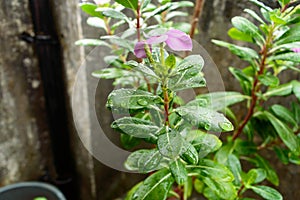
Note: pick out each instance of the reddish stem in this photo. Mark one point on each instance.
(138, 22)
(255, 89)
(196, 16)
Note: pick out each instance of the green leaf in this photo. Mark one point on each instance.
(144, 160)
(96, 22)
(181, 4)
(182, 26)
(132, 4)
(179, 172)
(198, 185)
(124, 99)
(284, 2)
(109, 12)
(269, 80)
(188, 188)
(282, 154)
(285, 115)
(260, 4)
(254, 15)
(213, 170)
(217, 100)
(285, 133)
(296, 89)
(242, 147)
(90, 8)
(135, 127)
(223, 153)
(205, 118)
(247, 27)
(170, 15)
(217, 177)
(91, 42)
(132, 191)
(270, 172)
(245, 81)
(296, 111)
(170, 61)
(281, 90)
(110, 73)
(254, 176)
(204, 143)
(190, 155)
(145, 4)
(294, 57)
(266, 192)
(244, 53)
(233, 163)
(157, 11)
(187, 74)
(238, 35)
(155, 186)
(292, 35)
(171, 144)
(129, 141)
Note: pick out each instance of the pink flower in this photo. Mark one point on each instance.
(175, 39)
(101, 2)
(296, 50)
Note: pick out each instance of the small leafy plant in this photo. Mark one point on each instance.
(185, 153)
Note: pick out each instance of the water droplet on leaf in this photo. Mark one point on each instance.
(226, 126)
(142, 102)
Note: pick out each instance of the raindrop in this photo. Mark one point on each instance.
(226, 126)
(207, 126)
(142, 102)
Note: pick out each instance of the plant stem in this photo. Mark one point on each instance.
(256, 85)
(166, 105)
(196, 16)
(138, 21)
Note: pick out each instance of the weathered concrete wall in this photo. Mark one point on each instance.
(68, 23)
(23, 128)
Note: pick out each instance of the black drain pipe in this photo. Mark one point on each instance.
(49, 54)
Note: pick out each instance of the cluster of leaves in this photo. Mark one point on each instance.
(275, 41)
(185, 155)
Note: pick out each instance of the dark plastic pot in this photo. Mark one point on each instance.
(29, 191)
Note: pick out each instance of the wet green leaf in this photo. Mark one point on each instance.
(179, 172)
(123, 99)
(205, 118)
(266, 192)
(135, 127)
(187, 74)
(110, 73)
(91, 42)
(217, 100)
(233, 163)
(285, 133)
(247, 27)
(144, 160)
(155, 186)
(269, 80)
(171, 144)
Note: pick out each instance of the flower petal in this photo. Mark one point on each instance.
(139, 50)
(179, 41)
(296, 50)
(157, 39)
